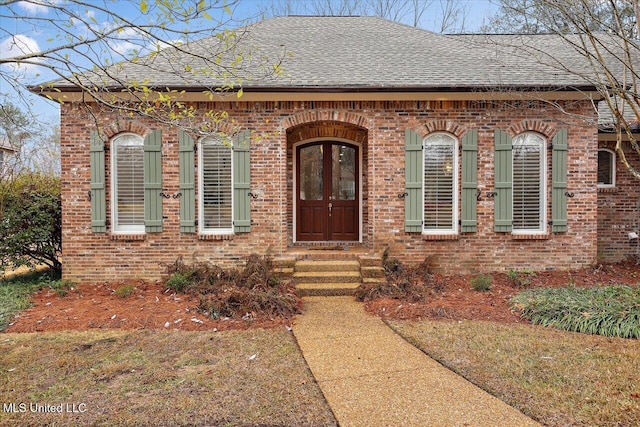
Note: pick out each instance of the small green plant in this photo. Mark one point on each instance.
(520, 278)
(178, 282)
(124, 291)
(482, 283)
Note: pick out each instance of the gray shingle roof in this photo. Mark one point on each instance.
(366, 53)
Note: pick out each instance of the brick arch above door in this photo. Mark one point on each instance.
(326, 123)
(326, 129)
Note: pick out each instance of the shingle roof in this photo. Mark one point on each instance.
(366, 53)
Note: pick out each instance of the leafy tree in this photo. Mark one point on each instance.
(95, 40)
(605, 35)
(30, 221)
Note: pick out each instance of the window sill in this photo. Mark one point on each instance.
(530, 236)
(440, 236)
(215, 236)
(607, 189)
(128, 237)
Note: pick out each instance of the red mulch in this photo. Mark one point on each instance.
(96, 306)
(149, 306)
(453, 297)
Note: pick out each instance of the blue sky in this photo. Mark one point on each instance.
(29, 31)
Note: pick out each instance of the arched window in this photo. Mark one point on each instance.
(440, 195)
(529, 183)
(215, 187)
(606, 168)
(127, 183)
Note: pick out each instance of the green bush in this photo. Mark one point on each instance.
(30, 221)
(612, 311)
(482, 283)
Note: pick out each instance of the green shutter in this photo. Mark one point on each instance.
(98, 199)
(469, 182)
(413, 209)
(559, 178)
(241, 182)
(503, 182)
(153, 182)
(186, 160)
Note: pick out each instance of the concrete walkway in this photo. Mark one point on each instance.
(372, 377)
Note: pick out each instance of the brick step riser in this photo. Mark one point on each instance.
(331, 289)
(372, 272)
(326, 268)
(328, 279)
(370, 261)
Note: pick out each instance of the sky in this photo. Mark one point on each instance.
(26, 26)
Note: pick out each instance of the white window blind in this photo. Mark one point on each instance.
(440, 178)
(128, 178)
(216, 187)
(528, 182)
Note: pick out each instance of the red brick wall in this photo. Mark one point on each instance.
(95, 256)
(619, 211)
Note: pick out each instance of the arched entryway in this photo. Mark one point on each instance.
(327, 193)
(327, 182)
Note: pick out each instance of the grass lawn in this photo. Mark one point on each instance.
(15, 294)
(559, 378)
(162, 378)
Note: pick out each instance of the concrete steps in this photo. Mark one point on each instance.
(327, 277)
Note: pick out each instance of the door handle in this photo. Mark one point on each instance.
(330, 207)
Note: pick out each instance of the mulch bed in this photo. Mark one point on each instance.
(453, 297)
(150, 306)
(97, 306)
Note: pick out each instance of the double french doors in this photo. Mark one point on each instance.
(327, 192)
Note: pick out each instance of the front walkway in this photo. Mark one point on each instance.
(372, 377)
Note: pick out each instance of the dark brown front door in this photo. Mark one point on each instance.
(327, 192)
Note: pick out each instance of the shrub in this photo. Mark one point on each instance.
(612, 311)
(30, 221)
(402, 282)
(234, 293)
(482, 283)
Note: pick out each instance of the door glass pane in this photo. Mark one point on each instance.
(311, 173)
(343, 172)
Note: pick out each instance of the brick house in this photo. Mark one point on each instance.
(378, 135)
